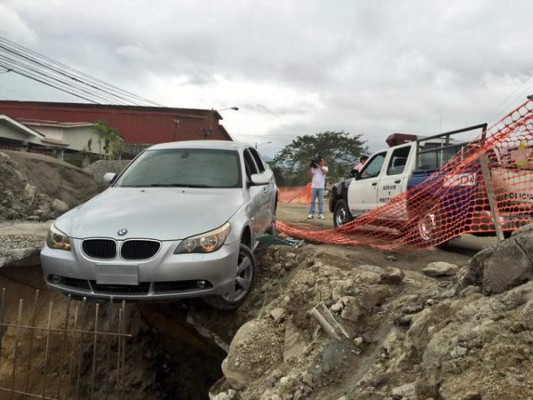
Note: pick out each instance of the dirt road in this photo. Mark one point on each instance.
(458, 250)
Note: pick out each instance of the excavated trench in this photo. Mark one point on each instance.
(166, 355)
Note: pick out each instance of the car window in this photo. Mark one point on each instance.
(373, 167)
(257, 159)
(249, 164)
(209, 168)
(398, 160)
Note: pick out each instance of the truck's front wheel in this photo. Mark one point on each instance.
(341, 213)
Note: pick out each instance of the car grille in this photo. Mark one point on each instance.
(100, 248)
(139, 249)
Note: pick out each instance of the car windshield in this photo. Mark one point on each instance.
(205, 168)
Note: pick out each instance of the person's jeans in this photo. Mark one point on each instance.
(317, 193)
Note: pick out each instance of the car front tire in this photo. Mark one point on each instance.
(244, 280)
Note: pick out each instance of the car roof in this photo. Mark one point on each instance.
(200, 144)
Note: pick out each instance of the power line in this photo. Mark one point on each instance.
(47, 71)
(514, 97)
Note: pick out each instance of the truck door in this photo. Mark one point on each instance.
(394, 179)
(363, 192)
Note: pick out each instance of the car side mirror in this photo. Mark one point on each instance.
(110, 177)
(259, 179)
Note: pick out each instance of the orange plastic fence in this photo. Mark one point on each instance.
(295, 194)
(453, 200)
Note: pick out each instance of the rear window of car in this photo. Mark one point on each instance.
(206, 168)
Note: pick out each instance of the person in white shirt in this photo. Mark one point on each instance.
(317, 172)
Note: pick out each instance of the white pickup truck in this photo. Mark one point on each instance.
(409, 163)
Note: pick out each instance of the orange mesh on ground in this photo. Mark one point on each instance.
(453, 200)
(295, 194)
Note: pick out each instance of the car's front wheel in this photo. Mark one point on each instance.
(244, 280)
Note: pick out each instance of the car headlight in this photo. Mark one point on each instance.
(206, 242)
(57, 239)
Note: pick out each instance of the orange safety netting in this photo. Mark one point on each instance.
(453, 200)
(295, 194)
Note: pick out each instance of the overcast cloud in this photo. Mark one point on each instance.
(292, 67)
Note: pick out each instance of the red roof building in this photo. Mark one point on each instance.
(136, 124)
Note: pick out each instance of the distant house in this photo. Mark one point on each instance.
(71, 141)
(135, 124)
(17, 136)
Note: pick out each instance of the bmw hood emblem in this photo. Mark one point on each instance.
(122, 232)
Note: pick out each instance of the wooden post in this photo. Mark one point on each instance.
(489, 187)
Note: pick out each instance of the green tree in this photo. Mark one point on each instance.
(108, 138)
(341, 150)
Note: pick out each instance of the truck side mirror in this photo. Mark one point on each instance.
(355, 174)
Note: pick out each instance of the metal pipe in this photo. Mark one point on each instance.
(440, 135)
(324, 324)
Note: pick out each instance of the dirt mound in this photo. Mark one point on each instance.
(38, 187)
(392, 334)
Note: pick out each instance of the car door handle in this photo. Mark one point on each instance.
(374, 184)
(398, 181)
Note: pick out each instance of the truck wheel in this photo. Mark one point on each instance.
(427, 227)
(430, 229)
(341, 214)
(244, 280)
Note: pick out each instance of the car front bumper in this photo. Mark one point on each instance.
(166, 276)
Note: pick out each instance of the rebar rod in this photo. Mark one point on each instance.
(108, 349)
(95, 341)
(123, 329)
(64, 345)
(37, 396)
(61, 330)
(80, 348)
(119, 349)
(2, 306)
(71, 358)
(32, 336)
(46, 348)
(15, 348)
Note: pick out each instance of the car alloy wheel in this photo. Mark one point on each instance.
(244, 277)
(244, 280)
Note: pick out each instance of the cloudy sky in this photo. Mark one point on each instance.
(292, 67)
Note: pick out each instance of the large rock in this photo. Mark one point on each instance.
(257, 346)
(440, 268)
(503, 266)
(60, 206)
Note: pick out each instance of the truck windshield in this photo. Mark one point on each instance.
(206, 168)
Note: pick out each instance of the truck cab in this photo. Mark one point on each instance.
(413, 164)
(384, 176)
